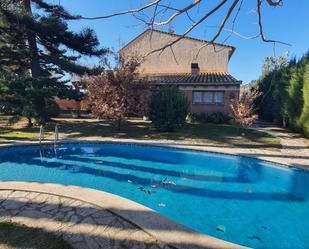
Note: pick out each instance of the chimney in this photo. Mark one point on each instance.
(195, 70)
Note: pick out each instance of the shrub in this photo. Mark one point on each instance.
(217, 118)
(168, 108)
(243, 109)
(192, 117)
(202, 117)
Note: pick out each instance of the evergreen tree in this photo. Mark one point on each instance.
(304, 118)
(285, 94)
(37, 50)
(168, 108)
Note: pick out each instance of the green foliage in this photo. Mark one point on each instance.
(304, 117)
(217, 118)
(52, 109)
(192, 117)
(37, 50)
(168, 108)
(295, 99)
(285, 95)
(29, 97)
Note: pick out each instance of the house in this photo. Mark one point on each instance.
(198, 68)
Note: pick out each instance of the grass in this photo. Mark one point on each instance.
(139, 129)
(13, 235)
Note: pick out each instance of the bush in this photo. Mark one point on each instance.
(217, 118)
(192, 117)
(168, 108)
(203, 117)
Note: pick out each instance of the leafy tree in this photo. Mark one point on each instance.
(243, 109)
(36, 47)
(168, 108)
(304, 118)
(273, 87)
(118, 94)
(284, 95)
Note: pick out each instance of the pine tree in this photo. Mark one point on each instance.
(36, 54)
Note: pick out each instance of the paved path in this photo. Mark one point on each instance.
(295, 149)
(82, 224)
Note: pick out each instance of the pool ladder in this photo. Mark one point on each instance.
(56, 134)
(41, 136)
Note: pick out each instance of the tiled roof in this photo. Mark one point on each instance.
(201, 79)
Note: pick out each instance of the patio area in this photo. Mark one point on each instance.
(92, 219)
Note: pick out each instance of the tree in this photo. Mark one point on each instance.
(284, 95)
(168, 108)
(118, 94)
(163, 13)
(44, 45)
(304, 118)
(273, 87)
(243, 110)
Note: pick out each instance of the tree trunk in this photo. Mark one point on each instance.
(30, 124)
(40, 107)
(31, 39)
(118, 124)
(35, 67)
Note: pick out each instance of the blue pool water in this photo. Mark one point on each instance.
(238, 199)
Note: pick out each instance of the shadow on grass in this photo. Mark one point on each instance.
(139, 129)
(14, 235)
(197, 133)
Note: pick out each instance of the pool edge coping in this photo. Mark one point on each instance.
(155, 144)
(170, 232)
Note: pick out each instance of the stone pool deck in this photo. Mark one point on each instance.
(91, 219)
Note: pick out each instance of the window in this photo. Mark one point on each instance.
(197, 97)
(208, 97)
(218, 97)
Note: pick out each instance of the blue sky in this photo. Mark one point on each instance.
(289, 23)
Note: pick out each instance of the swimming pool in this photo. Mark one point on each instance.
(237, 199)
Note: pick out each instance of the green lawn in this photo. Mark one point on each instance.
(139, 129)
(15, 236)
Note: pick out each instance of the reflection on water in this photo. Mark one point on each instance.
(257, 203)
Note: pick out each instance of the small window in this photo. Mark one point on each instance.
(208, 96)
(218, 97)
(197, 97)
(194, 65)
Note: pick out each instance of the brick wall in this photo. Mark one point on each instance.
(204, 108)
(70, 104)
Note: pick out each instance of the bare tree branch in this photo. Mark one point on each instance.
(275, 3)
(188, 30)
(131, 11)
(222, 26)
(259, 3)
(177, 13)
(154, 13)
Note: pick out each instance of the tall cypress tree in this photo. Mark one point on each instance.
(37, 51)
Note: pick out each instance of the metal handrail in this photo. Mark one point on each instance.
(56, 134)
(41, 136)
